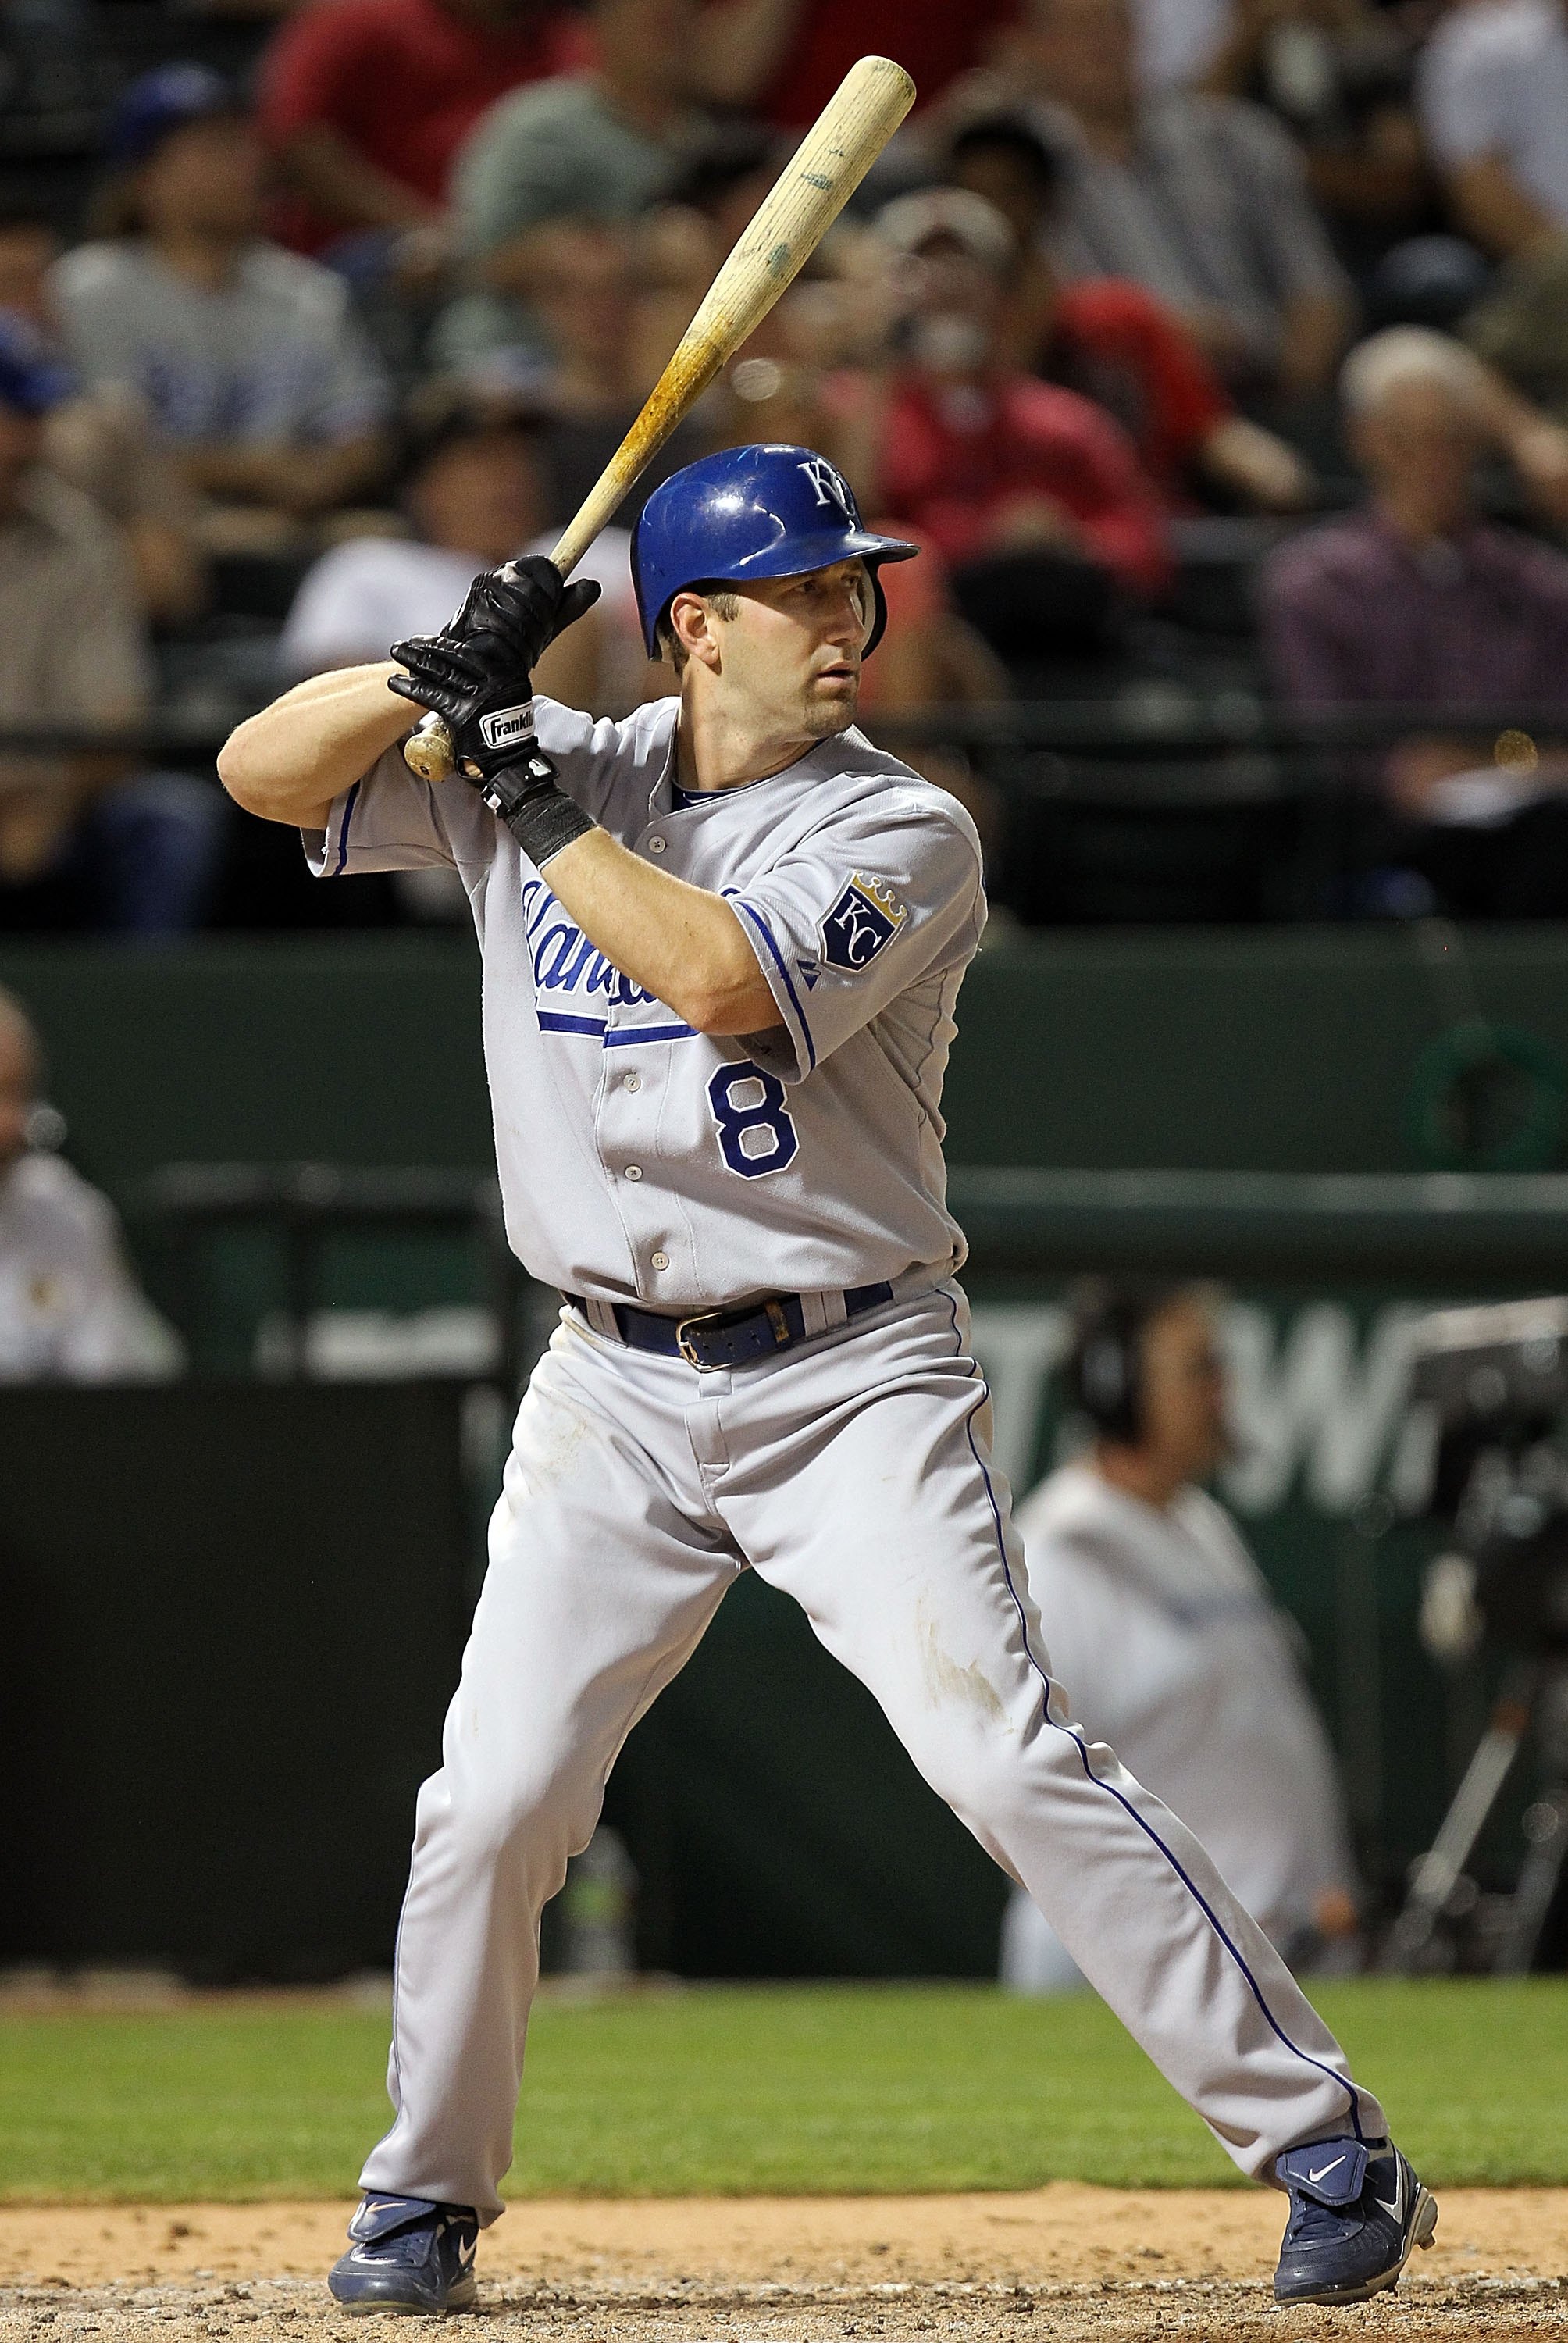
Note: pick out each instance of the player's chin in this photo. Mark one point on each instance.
(831, 704)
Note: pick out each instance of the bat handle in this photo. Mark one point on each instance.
(427, 752)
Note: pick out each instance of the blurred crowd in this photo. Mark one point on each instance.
(1201, 344)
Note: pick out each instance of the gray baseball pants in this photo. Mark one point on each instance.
(854, 1473)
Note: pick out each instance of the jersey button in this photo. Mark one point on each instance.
(634, 1170)
(632, 1083)
(660, 1260)
(656, 845)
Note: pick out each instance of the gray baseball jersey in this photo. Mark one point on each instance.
(641, 1161)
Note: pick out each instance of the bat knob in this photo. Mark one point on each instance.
(427, 752)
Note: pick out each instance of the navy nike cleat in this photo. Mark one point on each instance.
(1356, 2215)
(407, 2254)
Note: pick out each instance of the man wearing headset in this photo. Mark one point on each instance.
(1163, 1632)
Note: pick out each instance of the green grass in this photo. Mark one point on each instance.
(733, 2090)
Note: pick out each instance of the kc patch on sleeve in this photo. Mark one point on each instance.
(867, 916)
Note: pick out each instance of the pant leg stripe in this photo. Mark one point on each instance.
(1172, 1858)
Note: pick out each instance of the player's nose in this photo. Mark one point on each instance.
(846, 625)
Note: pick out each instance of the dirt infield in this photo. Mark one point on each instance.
(1100, 2264)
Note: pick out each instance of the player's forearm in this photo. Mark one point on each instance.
(287, 763)
(679, 942)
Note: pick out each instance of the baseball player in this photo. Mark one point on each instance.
(722, 944)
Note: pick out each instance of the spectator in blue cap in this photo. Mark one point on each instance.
(257, 372)
(86, 840)
(167, 98)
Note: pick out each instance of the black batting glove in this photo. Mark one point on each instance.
(512, 614)
(490, 717)
(477, 673)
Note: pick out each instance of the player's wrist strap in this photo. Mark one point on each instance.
(541, 817)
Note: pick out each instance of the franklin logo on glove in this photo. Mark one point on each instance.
(508, 727)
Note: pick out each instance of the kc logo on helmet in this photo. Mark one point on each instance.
(831, 486)
(867, 916)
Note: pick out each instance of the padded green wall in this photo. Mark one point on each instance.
(1290, 1050)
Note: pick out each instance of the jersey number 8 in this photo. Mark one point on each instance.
(756, 1134)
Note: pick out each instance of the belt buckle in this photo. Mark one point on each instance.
(700, 1318)
(773, 1310)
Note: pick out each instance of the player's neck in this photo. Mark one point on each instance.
(1137, 1474)
(715, 749)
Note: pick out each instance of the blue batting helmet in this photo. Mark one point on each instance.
(764, 511)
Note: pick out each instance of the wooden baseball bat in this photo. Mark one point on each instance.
(829, 164)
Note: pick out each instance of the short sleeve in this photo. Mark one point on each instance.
(1111, 497)
(388, 820)
(867, 906)
(1187, 398)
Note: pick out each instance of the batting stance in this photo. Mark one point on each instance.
(722, 944)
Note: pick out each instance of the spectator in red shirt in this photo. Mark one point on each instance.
(784, 58)
(987, 459)
(1118, 344)
(366, 102)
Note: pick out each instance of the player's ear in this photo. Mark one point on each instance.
(691, 624)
